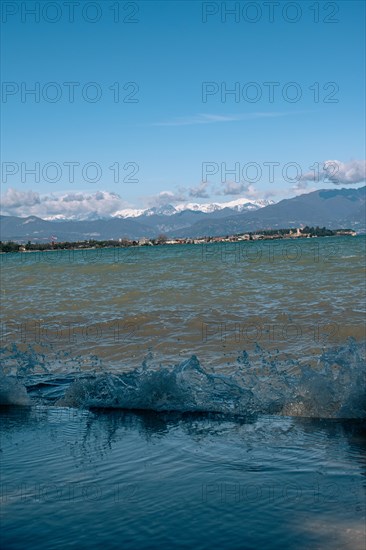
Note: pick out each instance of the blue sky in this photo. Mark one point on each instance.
(168, 133)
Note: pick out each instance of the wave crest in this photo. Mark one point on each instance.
(263, 383)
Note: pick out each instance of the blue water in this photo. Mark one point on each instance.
(184, 397)
(73, 479)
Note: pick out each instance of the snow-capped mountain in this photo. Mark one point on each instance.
(82, 217)
(333, 208)
(238, 205)
(165, 210)
(129, 213)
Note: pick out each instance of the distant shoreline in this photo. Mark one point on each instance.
(92, 244)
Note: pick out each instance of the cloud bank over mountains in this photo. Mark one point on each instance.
(339, 173)
(68, 206)
(108, 204)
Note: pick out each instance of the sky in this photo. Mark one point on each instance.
(136, 104)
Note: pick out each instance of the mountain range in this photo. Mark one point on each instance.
(334, 208)
(239, 205)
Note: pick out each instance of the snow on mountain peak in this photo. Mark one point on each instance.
(207, 208)
(237, 204)
(129, 213)
(164, 210)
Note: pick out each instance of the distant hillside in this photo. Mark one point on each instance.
(330, 208)
(333, 209)
(38, 230)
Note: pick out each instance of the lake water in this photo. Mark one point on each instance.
(208, 396)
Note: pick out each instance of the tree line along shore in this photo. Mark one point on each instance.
(306, 232)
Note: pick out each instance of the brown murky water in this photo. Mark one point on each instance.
(210, 300)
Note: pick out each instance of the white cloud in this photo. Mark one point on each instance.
(206, 118)
(181, 194)
(70, 205)
(199, 192)
(300, 188)
(337, 172)
(166, 197)
(233, 188)
(18, 199)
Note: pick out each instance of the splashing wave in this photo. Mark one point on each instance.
(330, 386)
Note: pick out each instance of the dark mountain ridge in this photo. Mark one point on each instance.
(332, 208)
